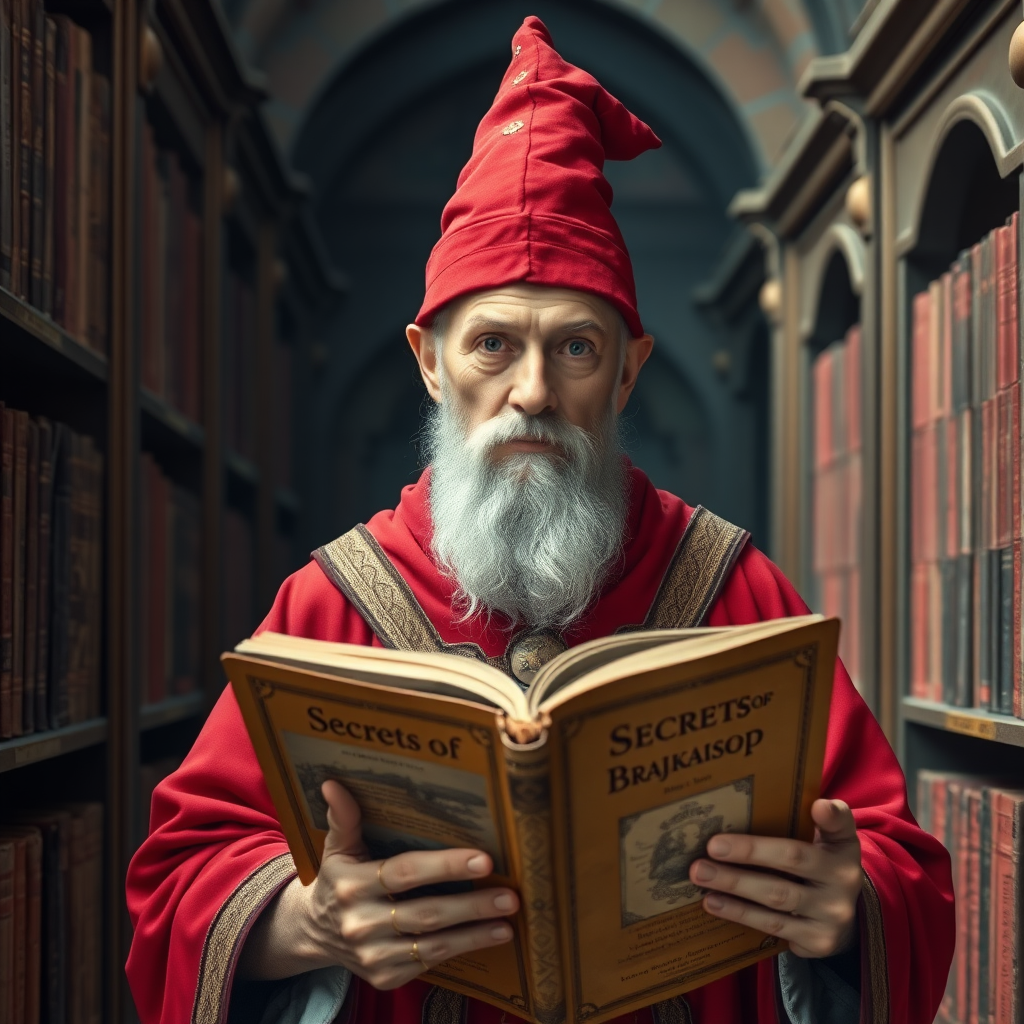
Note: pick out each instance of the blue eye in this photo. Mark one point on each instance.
(492, 344)
(578, 348)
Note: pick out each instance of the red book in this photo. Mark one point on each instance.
(972, 903)
(6, 569)
(958, 795)
(1006, 1002)
(921, 370)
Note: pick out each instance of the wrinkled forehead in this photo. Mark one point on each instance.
(526, 307)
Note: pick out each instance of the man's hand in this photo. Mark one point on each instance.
(346, 919)
(818, 913)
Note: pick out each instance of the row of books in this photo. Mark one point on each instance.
(171, 579)
(55, 170)
(837, 488)
(965, 513)
(240, 325)
(171, 271)
(51, 499)
(51, 915)
(981, 824)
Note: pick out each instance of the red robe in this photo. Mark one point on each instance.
(213, 824)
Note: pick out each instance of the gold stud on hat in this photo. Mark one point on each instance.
(519, 78)
(512, 128)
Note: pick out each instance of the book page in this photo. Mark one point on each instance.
(427, 773)
(645, 770)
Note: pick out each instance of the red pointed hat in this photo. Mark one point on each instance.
(533, 203)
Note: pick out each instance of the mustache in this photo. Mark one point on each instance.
(549, 428)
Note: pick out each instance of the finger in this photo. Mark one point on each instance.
(410, 870)
(768, 890)
(436, 913)
(440, 946)
(790, 856)
(810, 937)
(344, 821)
(834, 820)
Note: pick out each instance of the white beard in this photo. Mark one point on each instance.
(532, 536)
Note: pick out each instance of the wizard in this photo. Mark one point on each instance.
(528, 532)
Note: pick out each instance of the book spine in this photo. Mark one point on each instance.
(28, 707)
(33, 935)
(20, 496)
(64, 139)
(25, 151)
(38, 19)
(973, 901)
(529, 796)
(7, 937)
(99, 210)
(6, 146)
(59, 576)
(49, 157)
(984, 903)
(83, 161)
(6, 569)
(20, 928)
(1008, 979)
(961, 884)
(45, 540)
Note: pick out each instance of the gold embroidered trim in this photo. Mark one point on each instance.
(877, 989)
(703, 560)
(672, 1011)
(228, 931)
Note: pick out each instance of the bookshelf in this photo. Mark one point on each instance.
(814, 214)
(940, 146)
(191, 187)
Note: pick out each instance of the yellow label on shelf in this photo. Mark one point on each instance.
(971, 725)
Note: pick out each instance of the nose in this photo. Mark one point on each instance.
(531, 392)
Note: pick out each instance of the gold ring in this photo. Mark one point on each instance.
(380, 868)
(415, 953)
(394, 922)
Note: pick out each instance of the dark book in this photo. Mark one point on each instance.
(25, 149)
(60, 579)
(42, 717)
(1006, 611)
(28, 704)
(78, 593)
(8, 854)
(1006, 1005)
(94, 601)
(49, 157)
(83, 161)
(64, 205)
(55, 828)
(87, 887)
(6, 569)
(20, 508)
(6, 145)
(27, 920)
(99, 211)
(38, 21)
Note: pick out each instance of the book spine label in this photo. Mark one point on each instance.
(529, 788)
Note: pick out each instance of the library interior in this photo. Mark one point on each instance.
(214, 221)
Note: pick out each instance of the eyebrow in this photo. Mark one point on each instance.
(492, 324)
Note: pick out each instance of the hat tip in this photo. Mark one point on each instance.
(533, 23)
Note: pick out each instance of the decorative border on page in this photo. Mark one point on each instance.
(228, 932)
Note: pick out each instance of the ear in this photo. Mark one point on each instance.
(637, 351)
(421, 341)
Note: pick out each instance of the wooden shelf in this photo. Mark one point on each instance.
(40, 345)
(42, 746)
(174, 709)
(169, 425)
(983, 725)
(241, 469)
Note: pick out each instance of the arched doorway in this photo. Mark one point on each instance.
(383, 148)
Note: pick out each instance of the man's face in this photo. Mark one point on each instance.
(534, 350)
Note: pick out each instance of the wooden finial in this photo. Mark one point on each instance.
(1017, 55)
(230, 188)
(770, 299)
(151, 57)
(858, 202)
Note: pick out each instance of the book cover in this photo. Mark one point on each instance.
(613, 771)
(28, 705)
(6, 569)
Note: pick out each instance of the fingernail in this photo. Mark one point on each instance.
(719, 847)
(704, 871)
(714, 902)
(501, 932)
(504, 902)
(477, 865)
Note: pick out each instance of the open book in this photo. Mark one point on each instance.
(593, 790)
